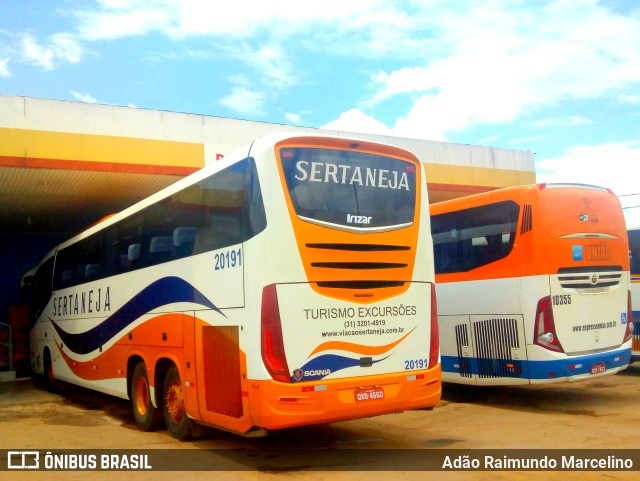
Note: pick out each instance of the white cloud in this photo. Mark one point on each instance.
(269, 63)
(293, 118)
(60, 47)
(355, 120)
(245, 101)
(465, 63)
(122, 19)
(83, 97)
(496, 63)
(4, 67)
(240, 19)
(629, 98)
(612, 165)
(561, 121)
(66, 47)
(36, 53)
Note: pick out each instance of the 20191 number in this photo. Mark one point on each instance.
(228, 259)
(412, 364)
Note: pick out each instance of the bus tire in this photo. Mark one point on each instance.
(175, 414)
(148, 418)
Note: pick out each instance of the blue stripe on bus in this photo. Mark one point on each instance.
(322, 366)
(551, 369)
(160, 293)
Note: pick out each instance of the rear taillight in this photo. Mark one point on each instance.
(273, 354)
(629, 332)
(434, 345)
(545, 328)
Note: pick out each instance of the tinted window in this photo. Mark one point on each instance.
(231, 207)
(81, 262)
(634, 250)
(350, 189)
(124, 241)
(40, 289)
(471, 238)
(222, 210)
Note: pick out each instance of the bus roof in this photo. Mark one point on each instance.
(505, 194)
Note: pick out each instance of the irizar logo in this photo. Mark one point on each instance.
(358, 219)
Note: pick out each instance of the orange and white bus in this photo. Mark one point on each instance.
(632, 216)
(532, 285)
(290, 283)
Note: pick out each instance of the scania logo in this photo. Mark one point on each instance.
(594, 279)
(583, 217)
(300, 374)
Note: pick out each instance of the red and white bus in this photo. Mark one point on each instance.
(290, 283)
(532, 285)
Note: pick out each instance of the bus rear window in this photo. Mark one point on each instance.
(350, 190)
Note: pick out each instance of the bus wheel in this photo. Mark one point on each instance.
(175, 414)
(148, 418)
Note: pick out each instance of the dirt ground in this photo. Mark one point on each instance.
(597, 414)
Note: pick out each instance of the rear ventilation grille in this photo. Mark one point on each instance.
(359, 247)
(495, 339)
(358, 265)
(527, 219)
(360, 284)
(462, 341)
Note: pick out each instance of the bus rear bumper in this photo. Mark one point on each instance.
(542, 371)
(579, 368)
(276, 405)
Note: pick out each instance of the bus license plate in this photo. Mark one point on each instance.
(598, 368)
(370, 394)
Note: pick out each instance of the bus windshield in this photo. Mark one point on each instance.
(350, 189)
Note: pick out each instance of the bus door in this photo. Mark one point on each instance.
(220, 366)
(484, 349)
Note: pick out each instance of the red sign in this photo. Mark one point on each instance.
(370, 394)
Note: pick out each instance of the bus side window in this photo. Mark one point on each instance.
(40, 290)
(634, 250)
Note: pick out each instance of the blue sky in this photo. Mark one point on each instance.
(558, 77)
